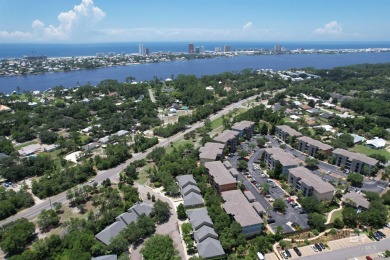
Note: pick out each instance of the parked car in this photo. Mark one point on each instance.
(287, 253)
(302, 212)
(376, 236)
(381, 234)
(284, 255)
(322, 246)
(319, 248)
(368, 257)
(388, 225)
(314, 248)
(271, 220)
(297, 251)
(295, 225)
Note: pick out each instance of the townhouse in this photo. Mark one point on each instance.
(284, 131)
(220, 177)
(354, 162)
(274, 155)
(311, 146)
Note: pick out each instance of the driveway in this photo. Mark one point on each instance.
(169, 228)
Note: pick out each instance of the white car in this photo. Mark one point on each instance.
(314, 248)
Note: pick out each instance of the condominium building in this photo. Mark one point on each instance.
(311, 146)
(274, 155)
(229, 138)
(211, 152)
(354, 162)
(191, 48)
(220, 177)
(284, 131)
(245, 128)
(310, 184)
(237, 205)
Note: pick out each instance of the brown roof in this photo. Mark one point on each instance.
(219, 172)
(356, 156)
(242, 125)
(226, 136)
(314, 142)
(357, 198)
(311, 180)
(211, 150)
(286, 159)
(289, 130)
(237, 205)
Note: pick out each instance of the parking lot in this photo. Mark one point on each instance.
(284, 220)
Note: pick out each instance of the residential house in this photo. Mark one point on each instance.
(189, 191)
(310, 184)
(311, 146)
(123, 220)
(284, 131)
(245, 128)
(274, 155)
(354, 162)
(237, 205)
(229, 138)
(4, 109)
(356, 200)
(205, 237)
(220, 177)
(30, 149)
(50, 147)
(211, 152)
(376, 143)
(91, 146)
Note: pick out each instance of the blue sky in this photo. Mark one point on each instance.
(85, 21)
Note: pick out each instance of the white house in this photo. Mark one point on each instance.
(376, 143)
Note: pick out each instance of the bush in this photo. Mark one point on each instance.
(157, 184)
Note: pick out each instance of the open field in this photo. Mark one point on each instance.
(368, 151)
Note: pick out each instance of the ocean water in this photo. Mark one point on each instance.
(70, 50)
(195, 67)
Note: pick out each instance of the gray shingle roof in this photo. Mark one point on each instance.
(141, 208)
(286, 159)
(192, 200)
(314, 142)
(237, 205)
(219, 172)
(356, 156)
(289, 130)
(185, 180)
(203, 233)
(199, 217)
(311, 180)
(239, 126)
(226, 136)
(190, 188)
(111, 232)
(211, 150)
(210, 247)
(127, 217)
(357, 198)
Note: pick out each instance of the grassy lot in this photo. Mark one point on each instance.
(216, 123)
(17, 147)
(177, 144)
(368, 151)
(143, 175)
(336, 214)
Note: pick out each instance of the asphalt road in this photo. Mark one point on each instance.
(351, 252)
(112, 173)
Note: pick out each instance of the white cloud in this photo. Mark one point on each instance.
(247, 26)
(78, 21)
(331, 28)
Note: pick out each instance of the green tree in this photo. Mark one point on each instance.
(280, 205)
(242, 165)
(264, 129)
(356, 179)
(181, 212)
(311, 204)
(16, 236)
(318, 221)
(350, 217)
(159, 247)
(338, 223)
(386, 198)
(161, 211)
(265, 187)
(48, 219)
(311, 163)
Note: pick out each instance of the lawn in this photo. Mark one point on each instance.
(368, 151)
(336, 214)
(17, 147)
(177, 144)
(216, 123)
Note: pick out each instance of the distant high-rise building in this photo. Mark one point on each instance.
(277, 48)
(147, 52)
(197, 49)
(226, 48)
(140, 49)
(217, 49)
(191, 48)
